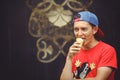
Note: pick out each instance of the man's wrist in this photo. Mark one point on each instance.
(69, 58)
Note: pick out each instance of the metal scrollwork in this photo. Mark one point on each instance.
(49, 49)
(50, 23)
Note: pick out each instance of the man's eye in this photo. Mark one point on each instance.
(76, 29)
(84, 29)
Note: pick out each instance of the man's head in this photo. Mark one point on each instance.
(86, 27)
(91, 18)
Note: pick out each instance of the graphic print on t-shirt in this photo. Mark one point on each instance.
(82, 69)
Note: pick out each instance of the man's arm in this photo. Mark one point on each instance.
(102, 74)
(67, 71)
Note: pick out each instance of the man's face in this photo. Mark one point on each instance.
(85, 31)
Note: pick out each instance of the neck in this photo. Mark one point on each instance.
(91, 44)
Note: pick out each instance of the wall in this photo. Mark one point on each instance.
(19, 47)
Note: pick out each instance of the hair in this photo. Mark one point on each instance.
(97, 37)
(75, 17)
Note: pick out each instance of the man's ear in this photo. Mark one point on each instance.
(95, 29)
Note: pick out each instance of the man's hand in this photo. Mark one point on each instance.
(74, 49)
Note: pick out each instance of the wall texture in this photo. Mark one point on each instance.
(19, 47)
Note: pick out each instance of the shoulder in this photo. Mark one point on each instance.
(107, 49)
(107, 55)
(106, 46)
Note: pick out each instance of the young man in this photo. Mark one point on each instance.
(94, 59)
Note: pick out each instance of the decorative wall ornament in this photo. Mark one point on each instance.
(59, 17)
(50, 23)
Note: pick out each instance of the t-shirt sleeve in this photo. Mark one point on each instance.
(108, 58)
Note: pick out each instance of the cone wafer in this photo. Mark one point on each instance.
(80, 41)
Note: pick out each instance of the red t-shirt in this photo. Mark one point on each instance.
(86, 62)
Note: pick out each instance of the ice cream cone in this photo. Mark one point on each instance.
(80, 41)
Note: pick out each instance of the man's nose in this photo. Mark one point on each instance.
(80, 33)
